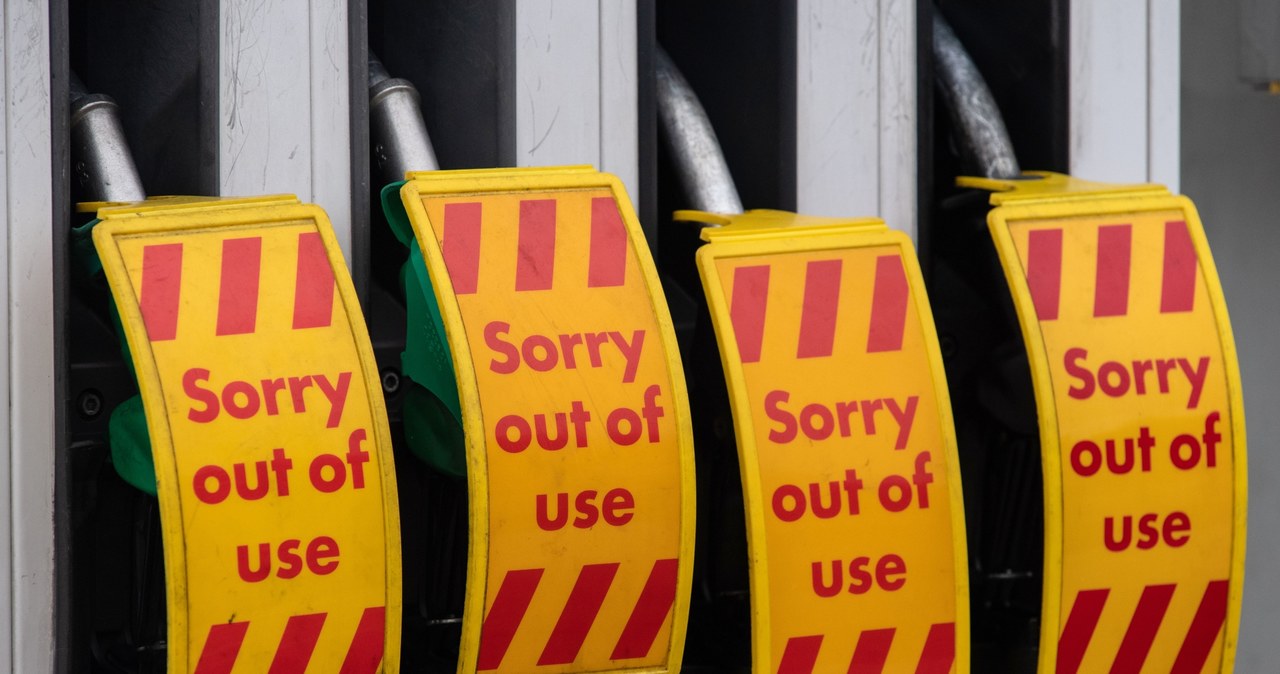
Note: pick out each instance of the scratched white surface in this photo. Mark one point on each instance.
(26, 449)
(856, 109)
(284, 104)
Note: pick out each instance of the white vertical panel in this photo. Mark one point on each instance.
(27, 447)
(856, 109)
(1164, 119)
(283, 103)
(1109, 90)
(619, 94)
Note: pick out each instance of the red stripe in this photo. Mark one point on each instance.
(1044, 271)
(161, 283)
(1178, 285)
(238, 291)
(504, 617)
(939, 650)
(578, 614)
(536, 254)
(313, 288)
(800, 655)
(871, 652)
(1205, 627)
(1078, 631)
(1111, 292)
(818, 313)
(221, 648)
(364, 656)
(888, 305)
(297, 644)
(607, 265)
(650, 613)
(1142, 629)
(461, 245)
(747, 309)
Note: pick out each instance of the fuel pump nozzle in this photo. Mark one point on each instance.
(396, 130)
(102, 166)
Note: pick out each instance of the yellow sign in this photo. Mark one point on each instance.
(1141, 424)
(579, 451)
(272, 451)
(854, 517)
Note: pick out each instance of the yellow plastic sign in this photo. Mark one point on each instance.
(579, 450)
(1141, 424)
(271, 446)
(855, 522)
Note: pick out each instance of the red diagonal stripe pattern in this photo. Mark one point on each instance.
(1078, 631)
(461, 245)
(1178, 282)
(888, 306)
(297, 644)
(939, 650)
(871, 652)
(221, 648)
(505, 615)
(1111, 289)
(1204, 631)
(314, 285)
(578, 615)
(364, 656)
(819, 310)
(651, 611)
(536, 245)
(747, 309)
(161, 285)
(238, 285)
(1142, 629)
(1044, 271)
(607, 261)
(800, 655)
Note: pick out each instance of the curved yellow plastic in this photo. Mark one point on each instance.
(270, 438)
(855, 520)
(1141, 424)
(579, 449)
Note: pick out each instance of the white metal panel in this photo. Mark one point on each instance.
(856, 109)
(284, 104)
(1124, 90)
(27, 400)
(576, 96)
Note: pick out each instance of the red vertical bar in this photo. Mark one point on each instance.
(504, 617)
(871, 652)
(313, 288)
(1111, 292)
(821, 305)
(1178, 284)
(161, 285)
(297, 644)
(221, 648)
(1078, 631)
(800, 655)
(650, 613)
(364, 656)
(578, 615)
(238, 288)
(1205, 627)
(888, 306)
(1142, 629)
(747, 309)
(939, 650)
(1044, 271)
(461, 245)
(536, 247)
(607, 265)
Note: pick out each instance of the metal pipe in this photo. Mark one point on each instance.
(101, 164)
(396, 131)
(695, 150)
(984, 139)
